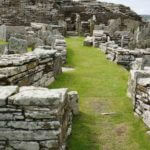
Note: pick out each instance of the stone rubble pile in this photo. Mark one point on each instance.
(36, 68)
(35, 118)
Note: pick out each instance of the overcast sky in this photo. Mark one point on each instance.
(139, 6)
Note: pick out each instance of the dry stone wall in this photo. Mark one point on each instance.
(35, 68)
(139, 91)
(122, 56)
(35, 118)
(114, 52)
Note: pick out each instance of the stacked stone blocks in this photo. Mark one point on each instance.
(35, 68)
(34, 118)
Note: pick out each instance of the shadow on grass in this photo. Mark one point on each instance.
(70, 54)
(82, 137)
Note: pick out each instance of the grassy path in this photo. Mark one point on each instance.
(102, 86)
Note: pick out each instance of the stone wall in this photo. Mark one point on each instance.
(122, 56)
(117, 51)
(36, 68)
(139, 92)
(35, 118)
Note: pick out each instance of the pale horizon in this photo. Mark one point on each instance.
(139, 6)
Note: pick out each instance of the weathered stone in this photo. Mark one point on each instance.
(38, 97)
(28, 135)
(74, 101)
(50, 144)
(25, 145)
(5, 92)
(17, 46)
(32, 125)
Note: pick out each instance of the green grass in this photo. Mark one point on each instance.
(102, 86)
(29, 49)
(3, 42)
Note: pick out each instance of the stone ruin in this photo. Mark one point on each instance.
(35, 118)
(72, 17)
(20, 38)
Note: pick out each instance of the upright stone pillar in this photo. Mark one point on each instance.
(78, 24)
(92, 24)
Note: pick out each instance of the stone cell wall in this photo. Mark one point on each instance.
(122, 56)
(35, 118)
(139, 92)
(36, 68)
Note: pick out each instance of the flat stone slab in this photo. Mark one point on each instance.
(34, 96)
(67, 69)
(5, 92)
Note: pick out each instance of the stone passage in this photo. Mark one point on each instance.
(137, 61)
(34, 118)
(38, 68)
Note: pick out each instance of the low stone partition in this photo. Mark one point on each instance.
(35, 118)
(60, 45)
(38, 68)
(99, 37)
(139, 92)
(122, 56)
